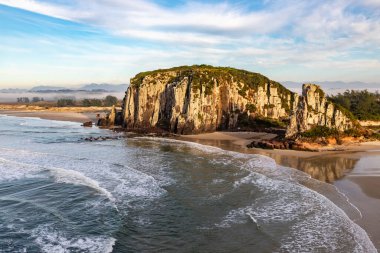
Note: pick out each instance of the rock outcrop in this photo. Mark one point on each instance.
(87, 124)
(194, 99)
(111, 119)
(313, 109)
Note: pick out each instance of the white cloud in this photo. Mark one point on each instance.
(375, 3)
(309, 34)
(126, 17)
(42, 8)
(318, 22)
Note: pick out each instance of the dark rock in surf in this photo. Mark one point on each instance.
(87, 124)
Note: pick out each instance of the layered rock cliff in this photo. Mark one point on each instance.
(314, 109)
(194, 99)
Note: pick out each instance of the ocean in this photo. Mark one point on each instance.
(62, 193)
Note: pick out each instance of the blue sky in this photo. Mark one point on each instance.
(73, 42)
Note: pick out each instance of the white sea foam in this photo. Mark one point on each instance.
(11, 170)
(137, 185)
(315, 222)
(119, 182)
(55, 241)
(318, 224)
(218, 181)
(78, 178)
(267, 166)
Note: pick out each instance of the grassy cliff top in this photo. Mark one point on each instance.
(205, 72)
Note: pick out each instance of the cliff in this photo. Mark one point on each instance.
(195, 99)
(201, 98)
(313, 109)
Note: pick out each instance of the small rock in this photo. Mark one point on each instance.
(87, 124)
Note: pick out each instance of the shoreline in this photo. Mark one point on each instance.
(73, 116)
(353, 170)
(326, 165)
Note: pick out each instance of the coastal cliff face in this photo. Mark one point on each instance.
(313, 109)
(194, 99)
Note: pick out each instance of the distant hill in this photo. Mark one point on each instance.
(10, 90)
(53, 93)
(46, 88)
(93, 87)
(104, 87)
(335, 87)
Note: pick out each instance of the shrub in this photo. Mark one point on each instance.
(110, 100)
(354, 132)
(64, 102)
(320, 131)
(37, 99)
(24, 100)
(92, 102)
(251, 107)
(258, 122)
(250, 80)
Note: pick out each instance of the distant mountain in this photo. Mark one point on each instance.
(104, 87)
(11, 90)
(53, 93)
(93, 87)
(335, 87)
(43, 88)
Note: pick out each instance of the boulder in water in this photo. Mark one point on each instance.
(87, 124)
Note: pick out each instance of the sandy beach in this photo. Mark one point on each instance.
(354, 170)
(74, 114)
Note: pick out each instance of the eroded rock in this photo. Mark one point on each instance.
(196, 99)
(313, 109)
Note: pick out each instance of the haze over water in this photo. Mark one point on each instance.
(59, 193)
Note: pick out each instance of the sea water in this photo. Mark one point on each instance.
(61, 193)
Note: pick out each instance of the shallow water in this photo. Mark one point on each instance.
(59, 193)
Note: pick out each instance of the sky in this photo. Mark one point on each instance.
(73, 42)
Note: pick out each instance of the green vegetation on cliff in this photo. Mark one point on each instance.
(321, 93)
(326, 132)
(258, 123)
(205, 78)
(206, 75)
(320, 131)
(363, 105)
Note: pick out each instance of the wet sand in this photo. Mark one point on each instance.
(79, 117)
(362, 187)
(75, 114)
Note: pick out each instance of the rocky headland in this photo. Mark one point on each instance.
(201, 98)
(188, 100)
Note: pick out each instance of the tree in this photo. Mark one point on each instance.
(24, 100)
(64, 102)
(110, 100)
(37, 99)
(364, 105)
(91, 102)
